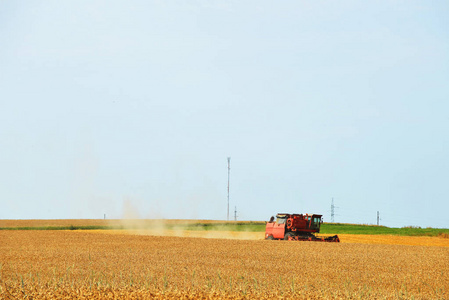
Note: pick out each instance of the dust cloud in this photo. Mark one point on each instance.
(132, 222)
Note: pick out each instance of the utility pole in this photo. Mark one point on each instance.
(332, 211)
(235, 214)
(377, 218)
(229, 170)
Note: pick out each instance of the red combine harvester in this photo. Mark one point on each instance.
(296, 227)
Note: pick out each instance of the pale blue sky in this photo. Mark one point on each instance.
(114, 107)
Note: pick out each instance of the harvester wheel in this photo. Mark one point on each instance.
(270, 237)
(289, 235)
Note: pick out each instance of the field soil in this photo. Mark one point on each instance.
(125, 265)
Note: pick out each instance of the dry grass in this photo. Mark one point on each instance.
(79, 264)
(443, 235)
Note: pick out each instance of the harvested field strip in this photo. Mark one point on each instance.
(208, 225)
(57, 264)
(210, 234)
(345, 238)
(394, 240)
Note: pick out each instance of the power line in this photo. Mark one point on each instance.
(332, 211)
(333, 207)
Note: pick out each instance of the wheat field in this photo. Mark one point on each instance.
(120, 265)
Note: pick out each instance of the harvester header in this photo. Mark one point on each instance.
(297, 227)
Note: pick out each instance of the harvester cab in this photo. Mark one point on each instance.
(300, 227)
(281, 218)
(316, 222)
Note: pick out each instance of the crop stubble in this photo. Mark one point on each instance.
(58, 264)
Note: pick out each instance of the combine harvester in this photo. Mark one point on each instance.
(296, 227)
